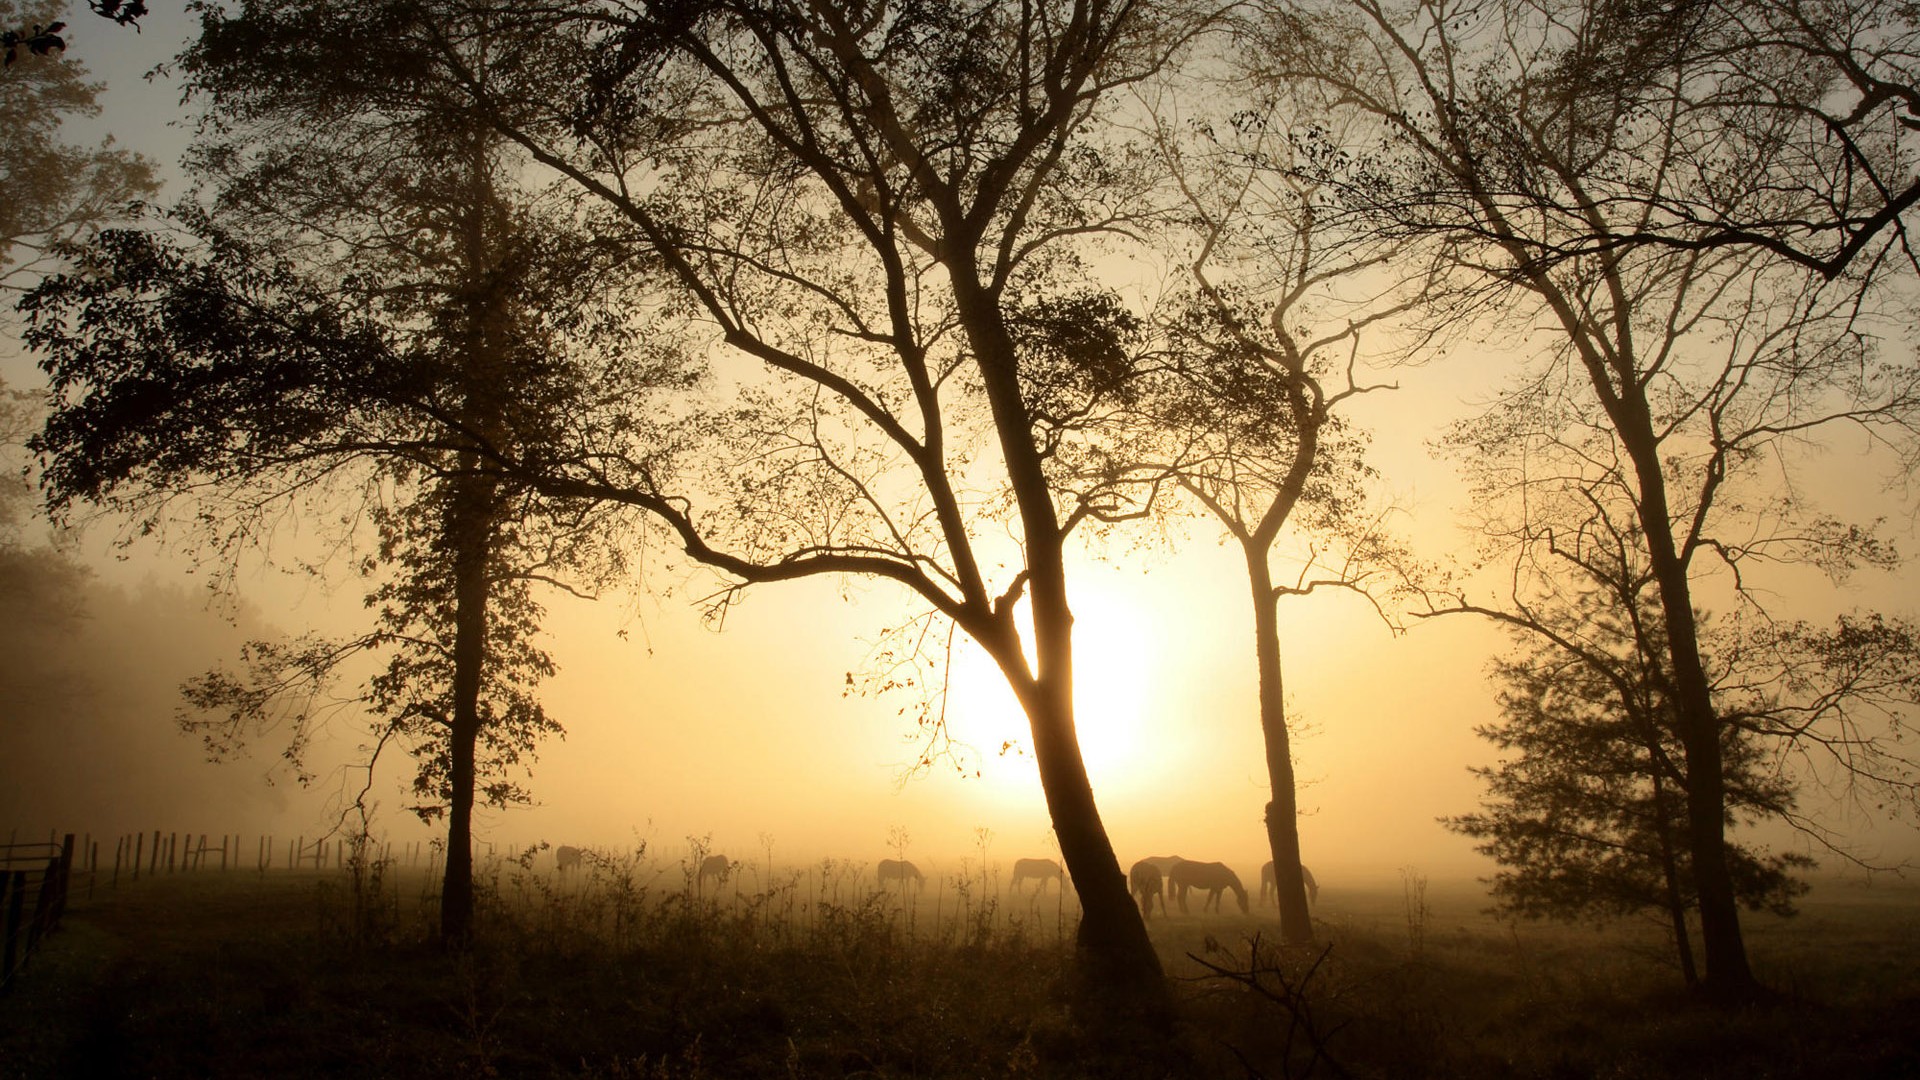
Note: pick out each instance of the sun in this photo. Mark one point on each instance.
(1116, 695)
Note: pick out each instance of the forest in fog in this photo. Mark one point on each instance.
(463, 323)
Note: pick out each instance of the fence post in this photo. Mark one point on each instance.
(13, 890)
(65, 882)
(43, 904)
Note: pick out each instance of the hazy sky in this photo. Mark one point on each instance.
(676, 730)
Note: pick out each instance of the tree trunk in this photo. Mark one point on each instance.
(1118, 966)
(1112, 939)
(1728, 973)
(1670, 870)
(468, 542)
(471, 523)
(1117, 959)
(1283, 810)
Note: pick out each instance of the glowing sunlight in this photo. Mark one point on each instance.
(1116, 692)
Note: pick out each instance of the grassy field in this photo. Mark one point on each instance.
(624, 970)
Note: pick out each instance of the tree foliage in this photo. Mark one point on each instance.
(377, 320)
(1586, 811)
(50, 190)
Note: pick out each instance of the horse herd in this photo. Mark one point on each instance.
(1161, 876)
(1154, 878)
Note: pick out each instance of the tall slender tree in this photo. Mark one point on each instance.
(1690, 357)
(1265, 343)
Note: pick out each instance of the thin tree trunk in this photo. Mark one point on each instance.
(1670, 869)
(468, 529)
(1728, 973)
(1283, 813)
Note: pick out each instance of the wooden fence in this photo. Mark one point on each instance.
(160, 852)
(46, 871)
(36, 877)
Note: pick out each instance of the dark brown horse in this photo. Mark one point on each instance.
(898, 871)
(1041, 870)
(1214, 877)
(717, 867)
(1267, 882)
(1145, 881)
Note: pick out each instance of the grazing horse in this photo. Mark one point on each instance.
(898, 871)
(1145, 881)
(566, 857)
(1267, 881)
(1214, 877)
(717, 867)
(1164, 864)
(1041, 870)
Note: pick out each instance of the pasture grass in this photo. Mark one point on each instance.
(626, 970)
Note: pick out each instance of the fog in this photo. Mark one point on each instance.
(746, 739)
(92, 686)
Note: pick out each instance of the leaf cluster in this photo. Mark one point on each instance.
(1589, 816)
(52, 191)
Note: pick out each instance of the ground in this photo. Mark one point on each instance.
(621, 971)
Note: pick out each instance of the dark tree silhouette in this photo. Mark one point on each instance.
(1242, 417)
(396, 351)
(1588, 819)
(886, 212)
(1605, 204)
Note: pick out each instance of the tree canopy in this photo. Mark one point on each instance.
(52, 191)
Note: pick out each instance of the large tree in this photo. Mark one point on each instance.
(1676, 362)
(375, 311)
(887, 216)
